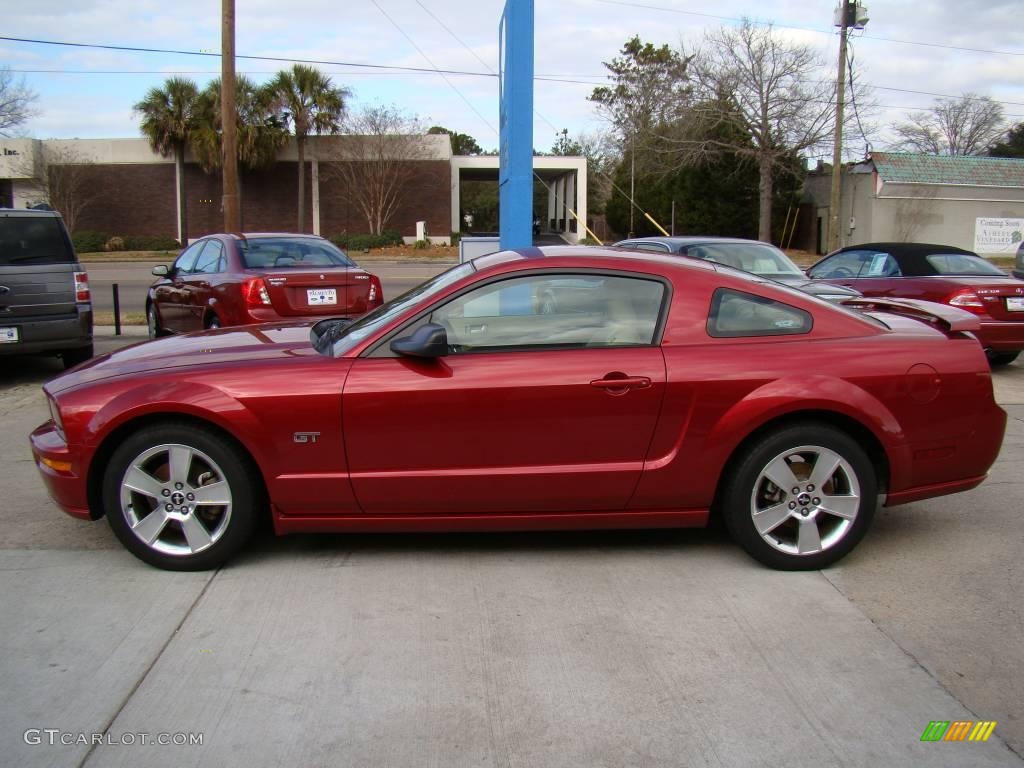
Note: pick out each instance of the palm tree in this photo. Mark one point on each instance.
(306, 96)
(168, 119)
(260, 133)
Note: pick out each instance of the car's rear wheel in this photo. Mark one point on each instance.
(72, 357)
(1001, 358)
(212, 323)
(800, 498)
(180, 497)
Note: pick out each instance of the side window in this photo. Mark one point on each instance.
(656, 247)
(850, 264)
(184, 263)
(211, 259)
(734, 313)
(557, 312)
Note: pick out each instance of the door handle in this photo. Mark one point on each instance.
(621, 383)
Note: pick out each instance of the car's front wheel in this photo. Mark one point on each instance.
(153, 322)
(800, 498)
(180, 497)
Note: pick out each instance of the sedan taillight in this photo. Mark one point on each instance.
(375, 294)
(256, 293)
(967, 299)
(82, 293)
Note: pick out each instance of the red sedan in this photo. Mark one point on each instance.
(940, 273)
(557, 388)
(225, 280)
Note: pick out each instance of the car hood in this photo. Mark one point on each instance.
(819, 288)
(240, 344)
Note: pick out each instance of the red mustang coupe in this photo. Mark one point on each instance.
(562, 388)
(940, 273)
(257, 278)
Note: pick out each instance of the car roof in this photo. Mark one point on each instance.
(909, 250)
(693, 240)
(258, 235)
(29, 212)
(586, 252)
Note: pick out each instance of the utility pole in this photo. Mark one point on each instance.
(837, 147)
(228, 120)
(632, 180)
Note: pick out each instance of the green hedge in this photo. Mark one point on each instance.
(87, 241)
(349, 242)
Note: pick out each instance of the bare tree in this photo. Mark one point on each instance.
(761, 98)
(16, 101)
(964, 126)
(913, 213)
(375, 165)
(60, 175)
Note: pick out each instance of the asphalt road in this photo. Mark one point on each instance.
(653, 648)
(134, 278)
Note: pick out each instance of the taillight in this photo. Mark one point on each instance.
(82, 287)
(256, 293)
(376, 294)
(967, 299)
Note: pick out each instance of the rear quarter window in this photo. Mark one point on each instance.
(29, 240)
(735, 314)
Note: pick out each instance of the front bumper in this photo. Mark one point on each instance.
(66, 487)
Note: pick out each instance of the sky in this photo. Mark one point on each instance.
(911, 52)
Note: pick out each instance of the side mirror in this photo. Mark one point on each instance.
(161, 270)
(430, 340)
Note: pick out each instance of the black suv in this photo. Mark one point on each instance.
(45, 305)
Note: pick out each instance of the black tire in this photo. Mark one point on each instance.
(793, 521)
(212, 323)
(72, 357)
(997, 359)
(214, 463)
(153, 322)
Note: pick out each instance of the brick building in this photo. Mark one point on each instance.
(130, 190)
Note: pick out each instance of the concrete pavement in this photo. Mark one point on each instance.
(593, 649)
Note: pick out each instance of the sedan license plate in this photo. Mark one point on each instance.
(320, 296)
(1015, 303)
(8, 335)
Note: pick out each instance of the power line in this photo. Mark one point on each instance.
(804, 29)
(424, 55)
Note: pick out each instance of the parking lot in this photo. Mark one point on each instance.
(577, 649)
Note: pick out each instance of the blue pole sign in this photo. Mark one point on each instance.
(515, 94)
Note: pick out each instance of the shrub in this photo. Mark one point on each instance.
(86, 241)
(348, 242)
(421, 245)
(589, 241)
(114, 244)
(456, 236)
(150, 243)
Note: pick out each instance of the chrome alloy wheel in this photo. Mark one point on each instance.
(175, 499)
(805, 500)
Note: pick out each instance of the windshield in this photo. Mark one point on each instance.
(33, 240)
(963, 264)
(760, 259)
(291, 252)
(371, 322)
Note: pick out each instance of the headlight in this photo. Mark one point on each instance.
(55, 415)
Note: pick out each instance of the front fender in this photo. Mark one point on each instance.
(186, 398)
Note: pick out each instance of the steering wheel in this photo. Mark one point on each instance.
(841, 272)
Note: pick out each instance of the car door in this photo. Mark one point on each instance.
(199, 285)
(169, 294)
(545, 403)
